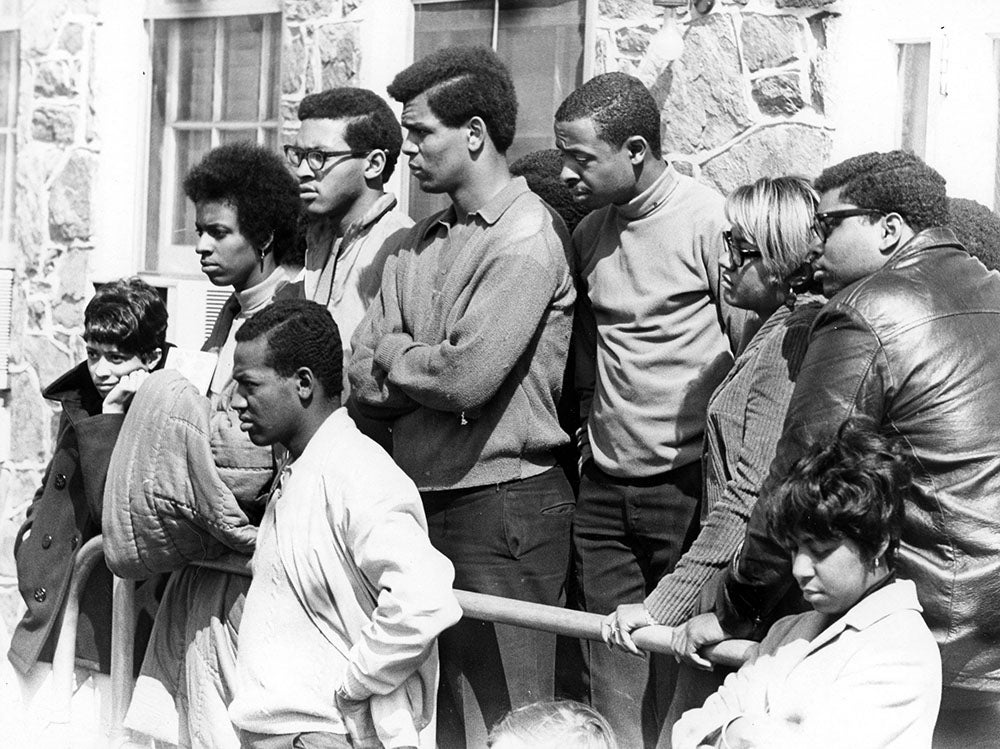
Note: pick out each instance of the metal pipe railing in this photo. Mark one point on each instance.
(579, 624)
(64, 658)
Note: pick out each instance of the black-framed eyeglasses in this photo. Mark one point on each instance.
(739, 249)
(827, 221)
(316, 158)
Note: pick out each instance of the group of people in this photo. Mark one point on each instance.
(792, 384)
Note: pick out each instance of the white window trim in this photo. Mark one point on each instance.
(935, 81)
(216, 126)
(173, 9)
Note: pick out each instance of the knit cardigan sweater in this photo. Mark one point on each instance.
(465, 346)
(745, 415)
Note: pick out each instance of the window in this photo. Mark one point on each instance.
(913, 71)
(9, 63)
(214, 80)
(541, 41)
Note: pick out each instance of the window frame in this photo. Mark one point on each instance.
(159, 11)
(9, 24)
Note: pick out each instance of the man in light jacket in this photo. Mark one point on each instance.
(337, 641)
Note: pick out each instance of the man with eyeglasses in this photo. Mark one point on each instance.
(910, 338)
(344, 152)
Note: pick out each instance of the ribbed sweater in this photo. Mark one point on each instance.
(745, 416)
(465, 346)
(653, 326)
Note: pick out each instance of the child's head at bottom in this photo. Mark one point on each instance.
(559, 724)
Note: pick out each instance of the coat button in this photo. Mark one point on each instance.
(46, 541)
(60, 481)
(40, 594)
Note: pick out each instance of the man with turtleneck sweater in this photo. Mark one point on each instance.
(654, 340)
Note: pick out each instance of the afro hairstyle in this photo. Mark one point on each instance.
(461, 83)
(892, 182)
(978, 228)
(619, 106)
(258, 184)
(299, 333)
(541, 170)
(371, 124)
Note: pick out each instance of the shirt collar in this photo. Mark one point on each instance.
(257, 297)
(489, 213)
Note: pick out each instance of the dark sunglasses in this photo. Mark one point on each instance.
(826, 222)
(739, 250)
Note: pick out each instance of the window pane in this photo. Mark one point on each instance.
(542, 43)
(241, 84)
(195, 69)
(438, 25)
(191, 146)
(8, 77)
(234, 136)
(913, 70)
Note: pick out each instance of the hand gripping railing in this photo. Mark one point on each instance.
(654, 639)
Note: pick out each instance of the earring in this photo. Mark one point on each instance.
(877, 562)
(262, 254)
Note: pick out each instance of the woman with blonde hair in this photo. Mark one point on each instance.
(765, 270)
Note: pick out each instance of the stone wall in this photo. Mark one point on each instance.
(745, 99)
(56, 162)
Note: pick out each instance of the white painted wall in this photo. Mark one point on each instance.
(861, 99)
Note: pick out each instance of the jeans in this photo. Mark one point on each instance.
(511, 540)
(627, 534)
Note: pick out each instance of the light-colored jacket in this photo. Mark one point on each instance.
(352, 539)
(870, 679)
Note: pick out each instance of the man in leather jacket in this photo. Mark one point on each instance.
(911, 338)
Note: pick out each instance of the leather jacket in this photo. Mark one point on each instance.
(915, 346)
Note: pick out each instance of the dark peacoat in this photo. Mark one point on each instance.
(64, 514)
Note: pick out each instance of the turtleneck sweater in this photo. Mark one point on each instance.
(653, 326)
(241, 306)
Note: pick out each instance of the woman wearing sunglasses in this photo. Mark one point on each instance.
(765, 270)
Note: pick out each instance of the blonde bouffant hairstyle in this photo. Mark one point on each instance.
(776, 215)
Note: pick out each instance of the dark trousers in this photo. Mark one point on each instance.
(627, 534)
(511, 540)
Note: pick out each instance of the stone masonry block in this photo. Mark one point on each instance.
(70, 198)
(71, 39)
(786, 148)
(626, 9)
(294, 60)
(56, 78)
(54, 125)
(340, 54)
(704, 105)
(632, 41)
(778, 95)
(30, 415)
(308, 10)
(770, 41)
(803, 3)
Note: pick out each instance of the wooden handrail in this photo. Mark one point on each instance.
(579, 624)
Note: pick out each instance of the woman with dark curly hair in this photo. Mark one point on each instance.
(862, 669)
(246, 214)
